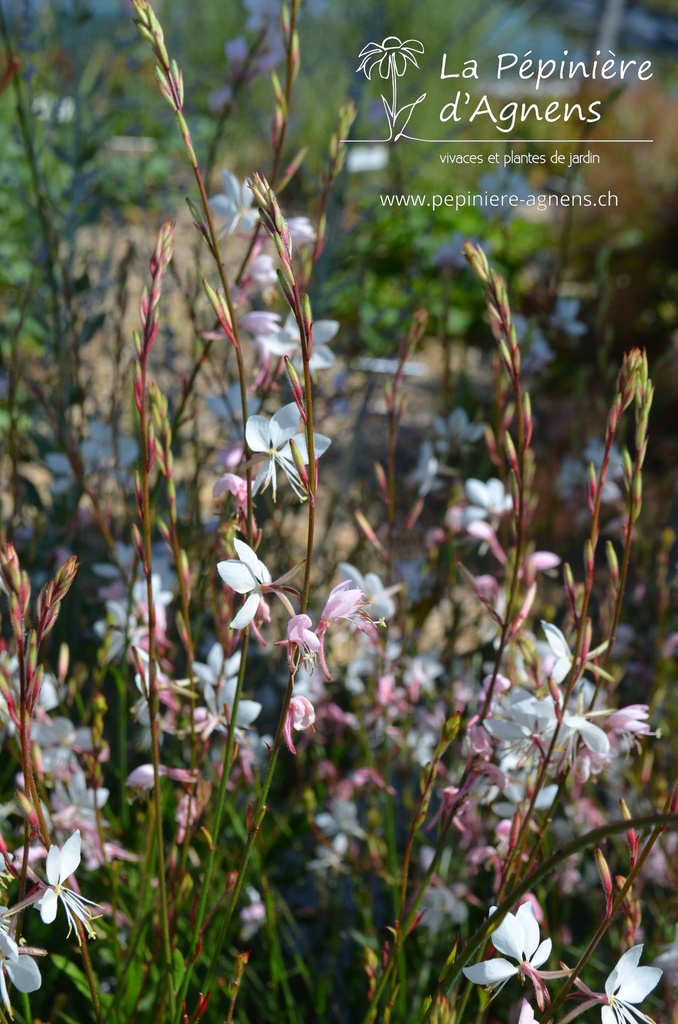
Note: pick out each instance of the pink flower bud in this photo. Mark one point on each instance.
(300, 715)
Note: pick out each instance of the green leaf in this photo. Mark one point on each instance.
(178, 968)
(78, 977)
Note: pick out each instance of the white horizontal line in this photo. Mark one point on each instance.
(455, 142)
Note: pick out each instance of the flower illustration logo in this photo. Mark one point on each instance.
(392, 57)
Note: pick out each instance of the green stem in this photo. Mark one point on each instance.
(152, 695)
(91, 981)
(257, 818)
(205, 891)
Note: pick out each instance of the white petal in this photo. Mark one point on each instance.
(546, 797)
(25, 974)
(247, 555)
(495, 494)
(542, 954)
(284, 425)
(526, 1013)
(248, 220)
(626, 965)
(246, 613)
(633, 983)
(70, 856)
(322, 443)
(232, 665)
(215, 659)
(279, 344)
(53, 865)
(490, 971)
(237, 575)
(231, 187)
(509, 938)
(635, 989)
(504, 730)
(254, 564)
(349, 572)
(556, 641)
(322, 358)
(248, 712)
(258, 433)
(476, 492)
(263, 477)
(324, 331)
(8, 948)
(221, 206)
(47, 905)
(203, 673)
(594, 737)
(528, 922)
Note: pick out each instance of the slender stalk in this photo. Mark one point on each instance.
(150, 322)
(252, 832)
(205, 892)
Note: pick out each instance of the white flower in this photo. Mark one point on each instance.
(287, 342)
(234, 204)
(343, 818)
(301, 230)
(262, 269)
(456, 432)
(219, 678)
(253, 915)
(442, 905)
(59, 739)
(246, 575)
(562, 658)
(426, 470)
(330, 858)
(272, 438)
(592, 735)
(229, 406)
(74, 803)
(377, 596)
(668, 959)
(21, 969)
(487, 501)
(518, 937)
(61, 864)
(627, 986)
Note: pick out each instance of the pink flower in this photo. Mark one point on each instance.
(233, 483)
(302, 643)
(346, 601)
(261, 324)
(142, 777)
(631, 720)
(480, 529)
(300, 715)
(543, 560)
